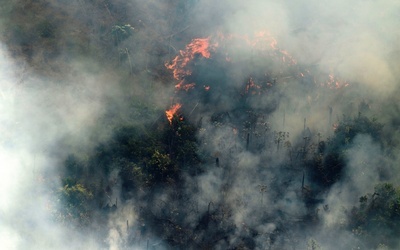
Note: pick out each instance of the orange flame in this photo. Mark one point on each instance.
(198, 46)
(184, 86)
(172, 111)
(262, 41)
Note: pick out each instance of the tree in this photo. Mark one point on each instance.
(121, 32)
(76, 204)
(326, 167)
(377, 218)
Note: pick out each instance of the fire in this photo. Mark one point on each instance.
(172, 111)
(263, 42)
(198, 46)
(334, 83)
(252, 85)
(335, 126)
(204, 47)
(184, 86)
(286, 57)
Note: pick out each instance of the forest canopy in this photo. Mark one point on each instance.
(199, 124)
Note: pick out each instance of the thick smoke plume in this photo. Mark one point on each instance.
(72, 74)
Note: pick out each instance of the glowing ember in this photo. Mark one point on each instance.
(172, 111)
(185, 86)
(335, 83)
(179, 85)
(287, 57)
(252, 85)
(262, 41)
(335, 126)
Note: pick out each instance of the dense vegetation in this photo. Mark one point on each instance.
(158, 168)
(151, 160)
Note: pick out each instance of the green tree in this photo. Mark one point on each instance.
(377, 218)
(326, 167)
(75, 204)
(121, 32)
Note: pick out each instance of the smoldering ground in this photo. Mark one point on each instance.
(254, 196)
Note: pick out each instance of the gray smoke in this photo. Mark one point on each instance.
(52, 109)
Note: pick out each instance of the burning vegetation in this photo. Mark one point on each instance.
(169, 131)
(205, 61)
(172, 112)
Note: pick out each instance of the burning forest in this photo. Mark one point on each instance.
(199, 125)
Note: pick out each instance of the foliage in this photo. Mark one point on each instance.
(156, 155)
(348, 128)
(142, 157)
(76, 204)
(326, 167)
(313, 245)
(121, 32)
(377, 218)
(181, 142)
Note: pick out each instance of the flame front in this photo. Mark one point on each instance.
(198, 46)
(262, 42)
(172, 111)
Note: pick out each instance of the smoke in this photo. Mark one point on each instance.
(44, 120)
(54, 98)
(354, 43)
(57, 91)
(365, 160)
(26, 134)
